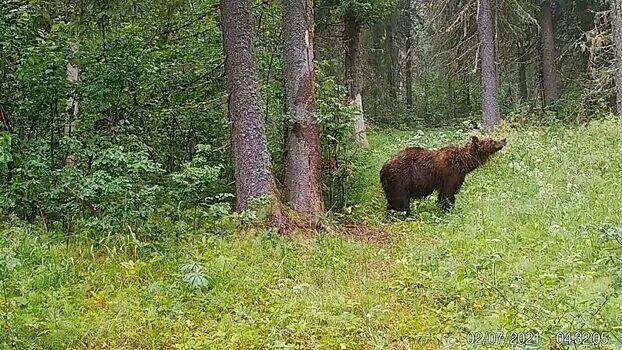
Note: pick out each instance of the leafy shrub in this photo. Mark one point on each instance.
(109, 182)
(197, 187)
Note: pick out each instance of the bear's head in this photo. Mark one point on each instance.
(483, 148)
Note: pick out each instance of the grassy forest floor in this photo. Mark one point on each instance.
(533, 245)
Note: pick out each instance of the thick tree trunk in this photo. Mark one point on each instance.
(253, 177)
(616, 7)
(490, 79)
(522, 74)
(547, 41)
(303, 184)
(354, 79)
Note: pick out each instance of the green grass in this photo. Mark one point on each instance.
(533, 245)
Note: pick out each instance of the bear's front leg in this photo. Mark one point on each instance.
(446, 202)
(400, 204)
(447, 195)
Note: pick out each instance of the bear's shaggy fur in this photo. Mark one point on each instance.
(417, 172)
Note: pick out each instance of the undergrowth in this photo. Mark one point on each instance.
(534, 244)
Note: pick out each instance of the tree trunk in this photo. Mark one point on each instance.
(408, 79)
(467, 88)
(316, 34)
(450, 97)
(392, 66)
(490, 79)
(616, 7)
(253, 177)
(73, 75)
(510, 96)
(408, 71)
(425, 96)
(547, 42)
(303, 183)
(354, 79)
(522, 74)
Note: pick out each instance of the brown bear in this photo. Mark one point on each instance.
(417, 172)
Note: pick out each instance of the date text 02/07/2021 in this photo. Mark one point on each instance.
(535, 338)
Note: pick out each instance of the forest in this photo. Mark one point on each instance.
(206, 174)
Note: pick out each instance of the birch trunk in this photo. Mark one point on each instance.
(73, 76)
(352, 39)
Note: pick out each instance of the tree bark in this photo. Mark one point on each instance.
(354, 79)
(303, 183)
(425, 96)
(408, 79)
(408, 71)
(490, 79)
(450, 96)
(316, 34)
(392, 66)
(522, 74)
(616, 7)
(467, 88)
(73, 76)
(253, 177)
(547, 43)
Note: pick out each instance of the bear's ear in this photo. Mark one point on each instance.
(474, 140)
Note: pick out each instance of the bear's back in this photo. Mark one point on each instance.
(416, 164)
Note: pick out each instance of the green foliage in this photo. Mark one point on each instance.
(335, 116)
(366, 11)
(532, 115)
(570, 106)
(147, 107)
(5, 151)
(119, 231)
(109, 182)
(258, 209)
(194, 276)
(197, 181)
